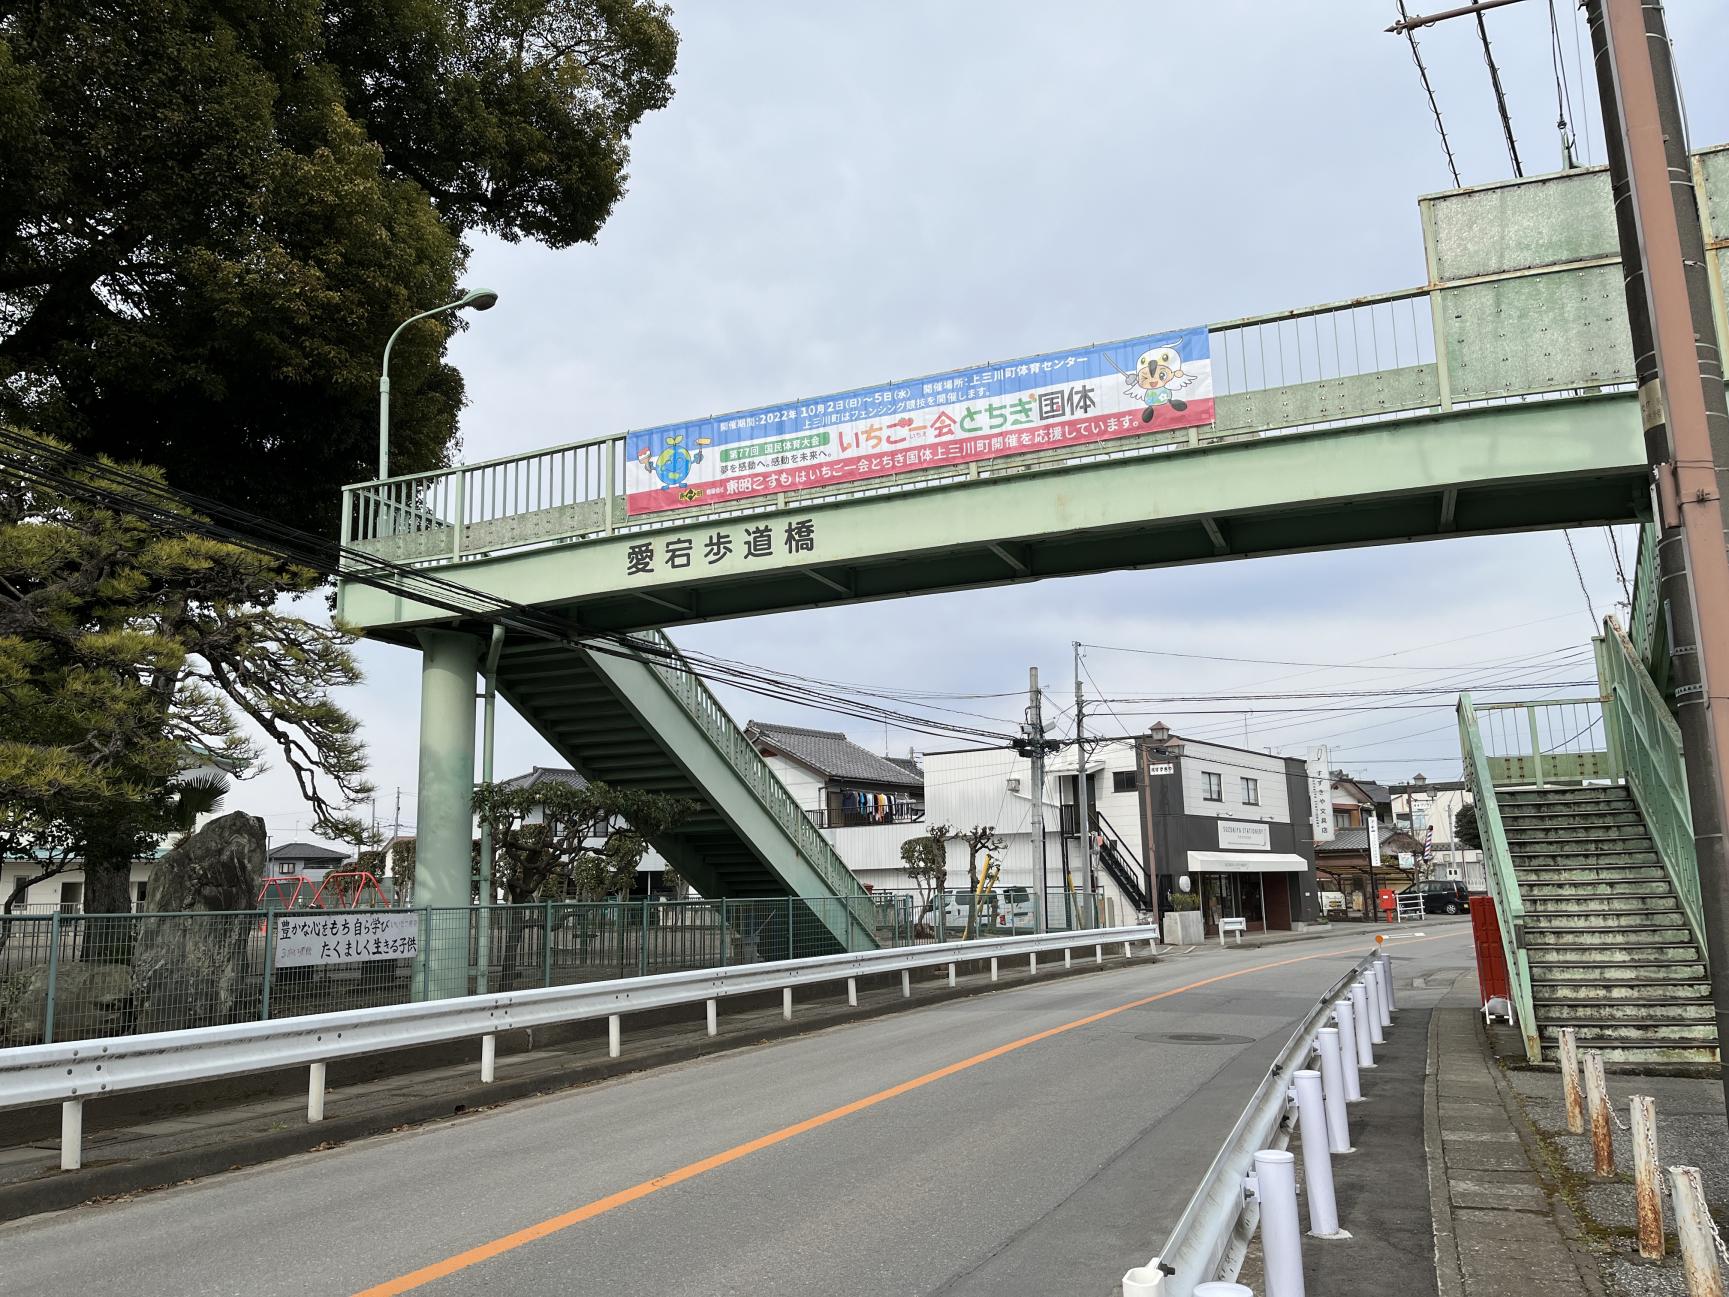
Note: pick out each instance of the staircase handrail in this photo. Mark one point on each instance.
(1498, 867)
(1649, 753)
(741, 754)
(1133, 883)
(1642, 620)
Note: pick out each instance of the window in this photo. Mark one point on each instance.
(1341, 819)
(1125, 781)
(1251, 792)
(1215, 786)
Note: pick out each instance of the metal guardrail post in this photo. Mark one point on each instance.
(1334, 1094)
(72, 1134)
(1317, 1154)
(1281, 1236)
(1386, 962)
(546, 943)
(1647, 1183)
(53, 978)
(1345, 1015)
(1572, 1096)
(1536, 747)
(1365, 1041)
(269, 966)
(1597, 1109)
(1697, 1234)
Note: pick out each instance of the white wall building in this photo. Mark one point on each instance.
(1418, 811)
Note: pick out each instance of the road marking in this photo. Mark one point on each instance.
(600, 1206)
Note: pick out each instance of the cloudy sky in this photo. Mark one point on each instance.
(840, 195)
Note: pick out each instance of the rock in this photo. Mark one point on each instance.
(90, 1000)
(193, 966)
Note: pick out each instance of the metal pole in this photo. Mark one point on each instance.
(1386, 962)
(1345, 1015)
(53, 979)
(71, 1134)
(1698, 1236)
(1083, 792)
(1571, 1094)
(1333, 1095)
(1317, 1154)
(315, 1092)
(269, 965)
(488, 1059)
(489, 709)
(1281, 1236)
(1647, 1184)
(1036, 735)
(1597, 1107)
(1372, 998)
(1685, 414)
(1360, 1011)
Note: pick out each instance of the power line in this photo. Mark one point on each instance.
(1434, 107)
(1563, 92)
(1500, 94)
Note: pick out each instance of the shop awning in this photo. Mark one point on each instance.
(1246, 862)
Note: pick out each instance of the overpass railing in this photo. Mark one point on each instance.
(68, 1073)
(1642, 623)
(1498, 867)
(1648, 744)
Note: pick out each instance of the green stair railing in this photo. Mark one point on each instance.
(1498, 866)
(741, 754)
(1642, 621)
(1648, 748)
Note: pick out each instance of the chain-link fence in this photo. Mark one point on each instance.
(80, 976)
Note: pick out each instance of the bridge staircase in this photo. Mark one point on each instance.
(642, 720)
(1588, 847)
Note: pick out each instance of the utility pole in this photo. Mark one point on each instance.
(1035, 734)
(1083, 794)
(1686, 418)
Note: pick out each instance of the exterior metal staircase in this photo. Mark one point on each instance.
(1122, 865)
(639, 721)
(1611, 951)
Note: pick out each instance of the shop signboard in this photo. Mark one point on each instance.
(1050, 402)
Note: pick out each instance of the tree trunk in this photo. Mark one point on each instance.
(107, 938)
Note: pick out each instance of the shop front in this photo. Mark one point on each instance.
(1259, 887)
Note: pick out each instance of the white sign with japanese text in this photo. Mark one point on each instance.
(1320, 796)
(1162, 768)
(335, 937)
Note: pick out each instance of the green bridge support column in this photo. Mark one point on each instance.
(444, 814)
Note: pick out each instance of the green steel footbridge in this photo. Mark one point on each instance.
(1497, 397)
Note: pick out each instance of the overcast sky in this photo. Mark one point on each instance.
(843, 195)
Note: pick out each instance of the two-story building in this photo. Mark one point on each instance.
(838, 783)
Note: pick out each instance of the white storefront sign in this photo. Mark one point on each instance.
(337, 937)
(1320, 796)
(1161, 768)
(1238, 836)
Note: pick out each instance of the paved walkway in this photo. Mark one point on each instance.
(1497, 1233)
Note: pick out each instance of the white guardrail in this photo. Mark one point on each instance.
(1252, 1182)
(73, 1072)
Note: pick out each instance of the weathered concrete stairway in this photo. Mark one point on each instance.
(1611, 953)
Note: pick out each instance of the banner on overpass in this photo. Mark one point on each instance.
(1042, 403)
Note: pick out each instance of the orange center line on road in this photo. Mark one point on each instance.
(600, 1206)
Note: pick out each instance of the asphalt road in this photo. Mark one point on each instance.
(937, 1151)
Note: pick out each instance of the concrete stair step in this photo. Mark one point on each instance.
(1624, 837)
(1598, 903)
(1598, 920)
(1650, 1009)
(1628, 938)
(1563, 819)
(1565, 792)
(1609, 962)
(1538, 889)
(1656, 1032)
(1586, 860)
(1588, 989)
(1644, 1052)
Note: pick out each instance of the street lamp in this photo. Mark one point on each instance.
(479, 299)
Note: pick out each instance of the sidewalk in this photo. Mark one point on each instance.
(1498, 1230)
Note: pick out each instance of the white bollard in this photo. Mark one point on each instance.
(1385, 991)
(852, 992)
(1377, 1012)
(1345, 1014)
(713, 1018)
(488, 1059)
(1033, 964)
(1281, 1236)
(1098, 954)
(1219, 1288)
(1360, 1010)
(315, 1093)
(1068, 957)
(993, 968)
(1647, 1180)
(1144, 1280)
(951, 974)
(1128, 951)
(1333, 1092)
(71, 1134)
(906, 985)
(1387, 969)
(1317, 1155)
(612, 1034)
(786, 1003)
(1693, 1227)
(1571, 1093)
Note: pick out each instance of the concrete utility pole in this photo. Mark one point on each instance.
(1083, 794)
(1686, 418)
(1035, 732)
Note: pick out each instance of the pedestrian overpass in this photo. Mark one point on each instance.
(1497, 397)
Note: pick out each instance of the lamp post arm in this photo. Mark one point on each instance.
(384, 386)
